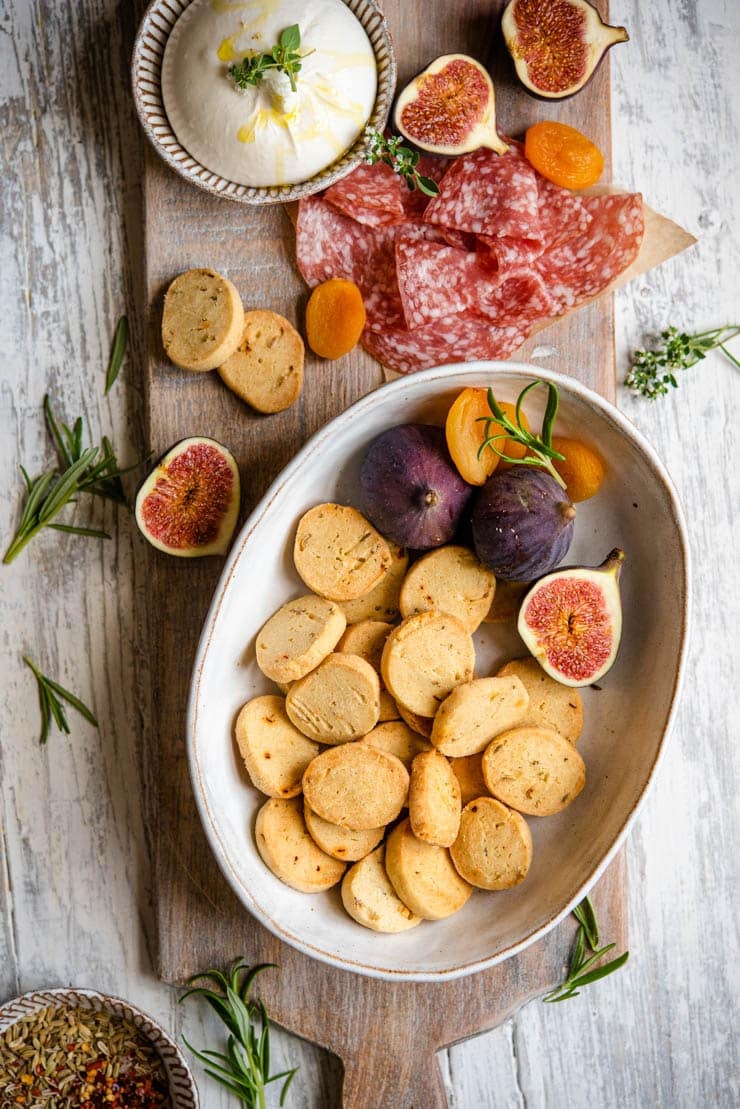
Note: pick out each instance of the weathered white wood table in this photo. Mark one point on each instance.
(75, 889)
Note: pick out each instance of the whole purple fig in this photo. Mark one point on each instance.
(411, 490)
(522, 523)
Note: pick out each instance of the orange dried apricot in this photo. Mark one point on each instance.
(465, 435)
(582, 471)
(563, 155)
(335, 318)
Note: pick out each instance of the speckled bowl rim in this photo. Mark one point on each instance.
(146, 79)
(182, 1088)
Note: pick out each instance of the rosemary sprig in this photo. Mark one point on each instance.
(653, 372)
(118, 349)
(401, 159)
(244, 1067)
(51, 696)
(285, 57)
(539, 447)
(580, 972)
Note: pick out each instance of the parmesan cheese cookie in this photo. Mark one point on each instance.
(423, 875)
(366, 639)
(534, 770)
(341, 843)
(275, 753)
(452, 580)
(266, 369)
(370, 899)
(298, 636)
(336, 702)
(424, 658)
(382, 602)
(420, 724)
(494, 847)
(288, 850)
(475, 712)
(356, 786)
(551, 704)
(338, 553)
(202, 320)
(434, 799)
(506, 601)
(468, 769)
(397, 739)
(388, 707)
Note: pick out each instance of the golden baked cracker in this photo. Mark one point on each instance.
(551, 704)
(275, 753)
(366, 639)
(424, 658)
(338, 553)
(417, 723)
(388, 707)
(397, 739)
(533, 770)
(423, 875)
(298, 636)
(356, 786)
(475, 712)
(266, 369)
(341, 843)
(493, 849)
(506, 601)
(382, 602)
(468, 769)
(336, 702)
(287, 849)
(450, 579)
(202, 320)
(434, 799)
(370, 899)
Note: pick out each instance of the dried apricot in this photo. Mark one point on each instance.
(563, 155)
(335, 318)
(582, 471)
(465, 433)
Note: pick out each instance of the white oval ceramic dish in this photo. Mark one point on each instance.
(626, 720)
(146, 75)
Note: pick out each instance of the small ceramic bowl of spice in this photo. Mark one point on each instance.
(78, 1049)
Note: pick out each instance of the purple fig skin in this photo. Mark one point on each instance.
(411, 491)
(522, 523)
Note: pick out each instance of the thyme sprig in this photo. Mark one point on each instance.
(51, 696)
(540, 451)
(583, 970)
(653, 372)
(389, 149)
(285, 57)
(244, 1067)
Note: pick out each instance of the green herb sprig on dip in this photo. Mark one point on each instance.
(284, 57)
(401, 159)
(653, 372)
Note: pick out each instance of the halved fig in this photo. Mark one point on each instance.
(571, 621)
(189, 503)
(557, 45)
(449, 108)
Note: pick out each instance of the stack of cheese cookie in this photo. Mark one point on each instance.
(380, 710)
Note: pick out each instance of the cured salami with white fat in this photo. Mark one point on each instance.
(488, 194)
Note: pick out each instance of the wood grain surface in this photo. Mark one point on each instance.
(78, 818)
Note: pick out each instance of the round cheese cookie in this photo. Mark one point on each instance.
(388, 707)
(475, 712)
(356, 786)
(370, 899)
(202, 320)
(493, 849)
(551, 704)
(275, 753)
(366, 639)
(288, 850)
(397, 739)
(424, 658)
(338, 553)
(298, 636)
(506, 601)
(468, 769)
(341, 843)
(382, 602)
(434, 799)
(336, 702)
(266, 369)
(534, 770)
(420, 724)
(423, 875)
(450, 579)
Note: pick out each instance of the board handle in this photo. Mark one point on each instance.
(378, 1079)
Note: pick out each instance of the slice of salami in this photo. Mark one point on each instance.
(563, 214)
(372, 195)
(583, 266)
(415, 202)
(456, 338)
(518, 299)
(488, 194)
(511, 254)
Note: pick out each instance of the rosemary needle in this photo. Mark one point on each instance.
(51, 696)
(118, 349)
(583, 970)
(540, 451)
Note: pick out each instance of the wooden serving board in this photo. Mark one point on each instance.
(386, 1034)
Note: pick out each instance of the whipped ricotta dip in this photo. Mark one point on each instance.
(267, 134)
